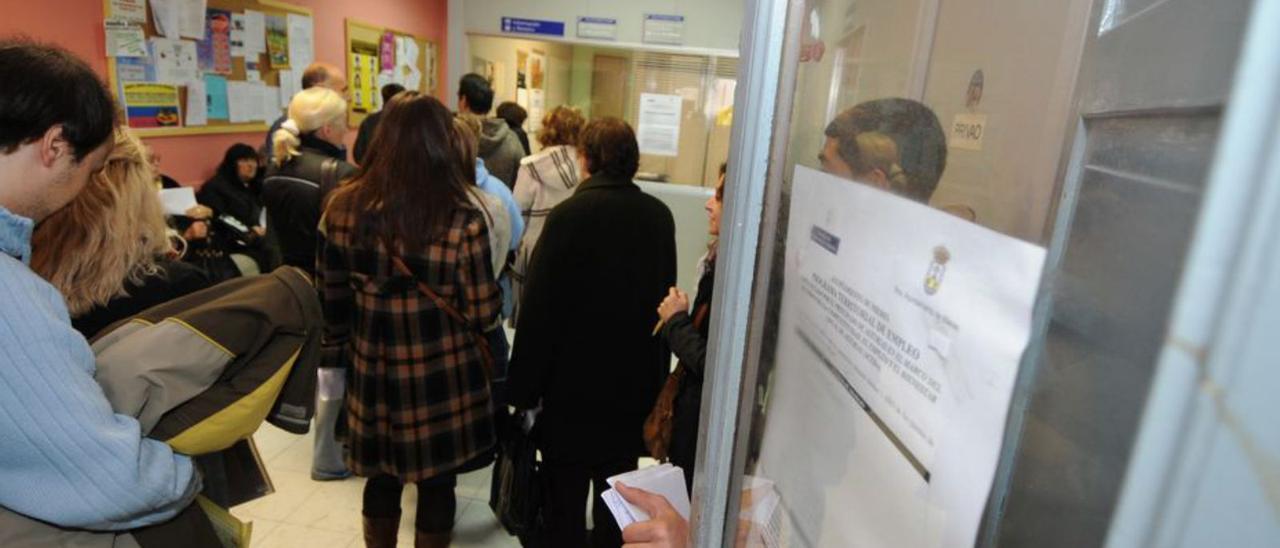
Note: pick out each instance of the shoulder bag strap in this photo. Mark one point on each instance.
(474, 333)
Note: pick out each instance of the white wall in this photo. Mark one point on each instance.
(708, 24)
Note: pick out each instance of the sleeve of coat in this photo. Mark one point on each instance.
(533, 350)
(525, 191)
(687, 344)
(482, 298)
(333, 278)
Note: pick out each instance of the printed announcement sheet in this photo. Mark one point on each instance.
(900, 336)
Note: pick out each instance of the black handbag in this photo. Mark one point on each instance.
(516, 493)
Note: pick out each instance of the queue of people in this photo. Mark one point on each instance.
(444, 228)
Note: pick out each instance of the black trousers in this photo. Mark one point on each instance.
(565, 516)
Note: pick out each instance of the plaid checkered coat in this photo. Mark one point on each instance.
(418, 396)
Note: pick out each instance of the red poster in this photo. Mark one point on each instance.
(215, 49)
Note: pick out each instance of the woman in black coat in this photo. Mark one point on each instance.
(584, 348)
(234, 194)
(686, 332)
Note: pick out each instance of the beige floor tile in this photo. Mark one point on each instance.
(292, 490)
(479, 528)
(332, 506)
(296, 536)
(271, 441)
(475, 485)
(262, 528)
(295, 457)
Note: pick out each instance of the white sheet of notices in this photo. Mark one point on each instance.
(899, 340)
(659, 128)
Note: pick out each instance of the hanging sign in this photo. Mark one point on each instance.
(664, 29)
(515, 25)
(597, 28)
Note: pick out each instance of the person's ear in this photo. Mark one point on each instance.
(53, 146)
(878, 179)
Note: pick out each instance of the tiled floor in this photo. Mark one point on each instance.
(308, 514)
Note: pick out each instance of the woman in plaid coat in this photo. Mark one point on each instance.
(408, 287)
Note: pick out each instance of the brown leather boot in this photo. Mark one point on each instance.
(381, 532)
(431, 540)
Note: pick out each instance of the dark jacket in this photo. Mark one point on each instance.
(232, 198)
(418, 396)
(524, 137)
(501, 150)
(292, 196)
(584, 344)
(173, 280)
(365, 136)
(687, 335)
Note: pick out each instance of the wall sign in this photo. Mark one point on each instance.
(664, 29)
(658, 132)
(597, 28)
(967, 131)
(514, 25)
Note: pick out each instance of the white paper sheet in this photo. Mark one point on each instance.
(176, 201)
(237, 35)
(902, 434)
(251, 75)
(659, 129)
(191, 18)
(289, 85)
(175, 60)
(133, 11)
(244, 102)
(255, 32)
(197, 104)
(165, 15)
(301, 41)
(664, 479)
(124, 39)
(270, 103)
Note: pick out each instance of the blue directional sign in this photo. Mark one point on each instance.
(516, 25)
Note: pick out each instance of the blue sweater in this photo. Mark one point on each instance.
(65, 457)
(493, 185)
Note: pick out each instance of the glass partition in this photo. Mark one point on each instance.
(680, 104)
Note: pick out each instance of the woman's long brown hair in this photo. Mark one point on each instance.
(413, 178)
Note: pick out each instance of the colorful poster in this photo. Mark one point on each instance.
(133, 11)
(277, 41)
(149, 105)
(215, 49)
(135, 69)
(215, 89)
(387, 51)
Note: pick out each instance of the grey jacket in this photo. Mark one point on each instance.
(501, 150)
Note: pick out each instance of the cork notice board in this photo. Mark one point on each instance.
(378, 55)
(149, 95)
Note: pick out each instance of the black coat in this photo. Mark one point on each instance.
(687, 336)
(232, 198)
(584, 345)
(365, 136)
(292, 196)
(173, 279)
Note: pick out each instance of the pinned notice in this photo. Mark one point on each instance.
(659, 127)
(124, 39)
(664, 29)
(149, 105)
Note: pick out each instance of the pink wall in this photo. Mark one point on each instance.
(77, 26)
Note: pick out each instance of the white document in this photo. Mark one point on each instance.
(537, 108)
(197, 104)
(255, 32)
(175, 61)
(237, 35)
(900, 336)
(664, 479)
(270, 103)
(124, 39)
(244, 101)
(165, 15)
(251, 75)
(659, 127)
(301, 41)
(191, 18)
(176, 201)
(967, 130)
(133, 11)
(288, 86)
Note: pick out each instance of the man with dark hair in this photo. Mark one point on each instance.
(316, 74)
(65, 458)
(515, 115)
(500, 148)
(370, 122)
(584, 348)
(920, 146)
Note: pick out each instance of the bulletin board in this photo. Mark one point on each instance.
(376, 56)
(123, 74)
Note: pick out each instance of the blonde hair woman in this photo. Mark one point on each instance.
(108, 252)
(308, 162)
(544, 180)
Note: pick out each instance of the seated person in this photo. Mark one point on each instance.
(234, 195)
(65, 458)
(107, 252)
